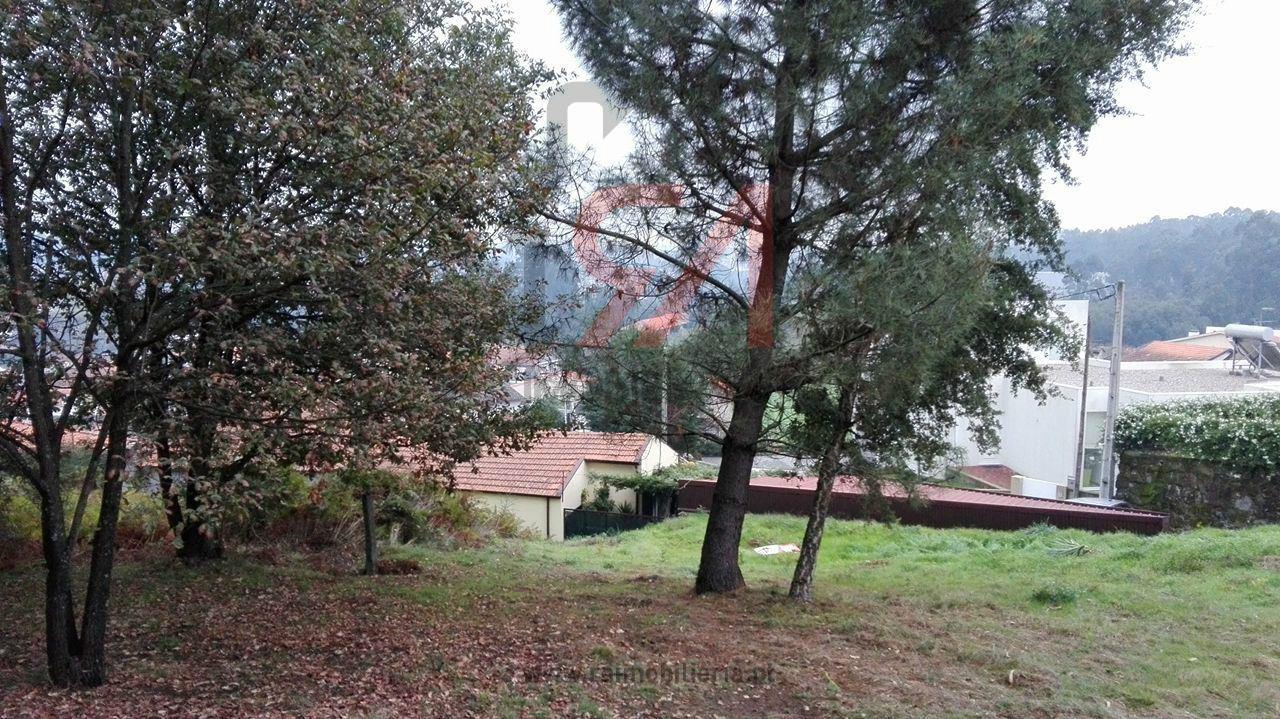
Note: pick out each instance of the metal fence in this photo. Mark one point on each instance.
(586, 522)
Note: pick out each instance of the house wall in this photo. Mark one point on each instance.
(619, 497)
(532, 512)
(656, 455)
(1040, 440)
(571, 498)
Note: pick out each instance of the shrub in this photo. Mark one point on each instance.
(142, 520)
(1055, 595)
(271, 493)
(1242, 433)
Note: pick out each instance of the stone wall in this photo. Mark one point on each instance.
(1196, 493)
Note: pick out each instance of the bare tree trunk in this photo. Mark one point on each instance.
(828, 470)
(86, 487)
(93, 655)
(200, 540)
(718, 570)
(370, 540)
(62, 641)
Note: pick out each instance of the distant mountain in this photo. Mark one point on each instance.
(1181, 275)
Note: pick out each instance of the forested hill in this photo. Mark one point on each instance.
(1184, 274)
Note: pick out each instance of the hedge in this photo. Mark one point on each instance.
(1243, 433)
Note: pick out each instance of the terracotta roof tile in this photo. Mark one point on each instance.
(1161, 351)
(545, 468)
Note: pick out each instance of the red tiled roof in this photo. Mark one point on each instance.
(659, 323)
(545, 468)
(993, 475)
(1162, 351)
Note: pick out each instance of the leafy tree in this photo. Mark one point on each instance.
(241, 228)
(405, 274)
(872, 125)
(934, 325)
(634, 387)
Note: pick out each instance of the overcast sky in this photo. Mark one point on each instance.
(1201, 136)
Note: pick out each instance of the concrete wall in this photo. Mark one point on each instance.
(1028, 487)
(1077, 315)
(1039, 441)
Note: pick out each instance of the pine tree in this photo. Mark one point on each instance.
(873, 124)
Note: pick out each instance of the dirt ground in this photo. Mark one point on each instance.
(261, 636)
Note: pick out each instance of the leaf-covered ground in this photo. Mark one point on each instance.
(910, 623)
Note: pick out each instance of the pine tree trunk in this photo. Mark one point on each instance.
(370, 541)
(802, 580)
(828, 469)
(718, 571)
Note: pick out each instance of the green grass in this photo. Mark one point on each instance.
(909, 622)
(1188, 620)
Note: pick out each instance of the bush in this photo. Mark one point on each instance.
(1055, 595)
(1240, 433)
(142, 520)
(272, 493)
(327, 516)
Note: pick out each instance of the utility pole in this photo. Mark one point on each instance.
(1108, 488)
(665, 417)
(1073, 487)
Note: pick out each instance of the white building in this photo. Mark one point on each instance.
(555, 474)
(1038, 442)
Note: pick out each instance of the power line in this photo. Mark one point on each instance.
(1095, 293)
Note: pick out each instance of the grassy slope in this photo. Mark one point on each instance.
(1188, 621)
(910, 622)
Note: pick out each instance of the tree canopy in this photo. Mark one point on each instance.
(245, 229)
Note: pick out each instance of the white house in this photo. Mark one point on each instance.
(539, 484)
(1037, 455)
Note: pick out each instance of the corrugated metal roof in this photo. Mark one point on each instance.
(939, 493)
(545, 468)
